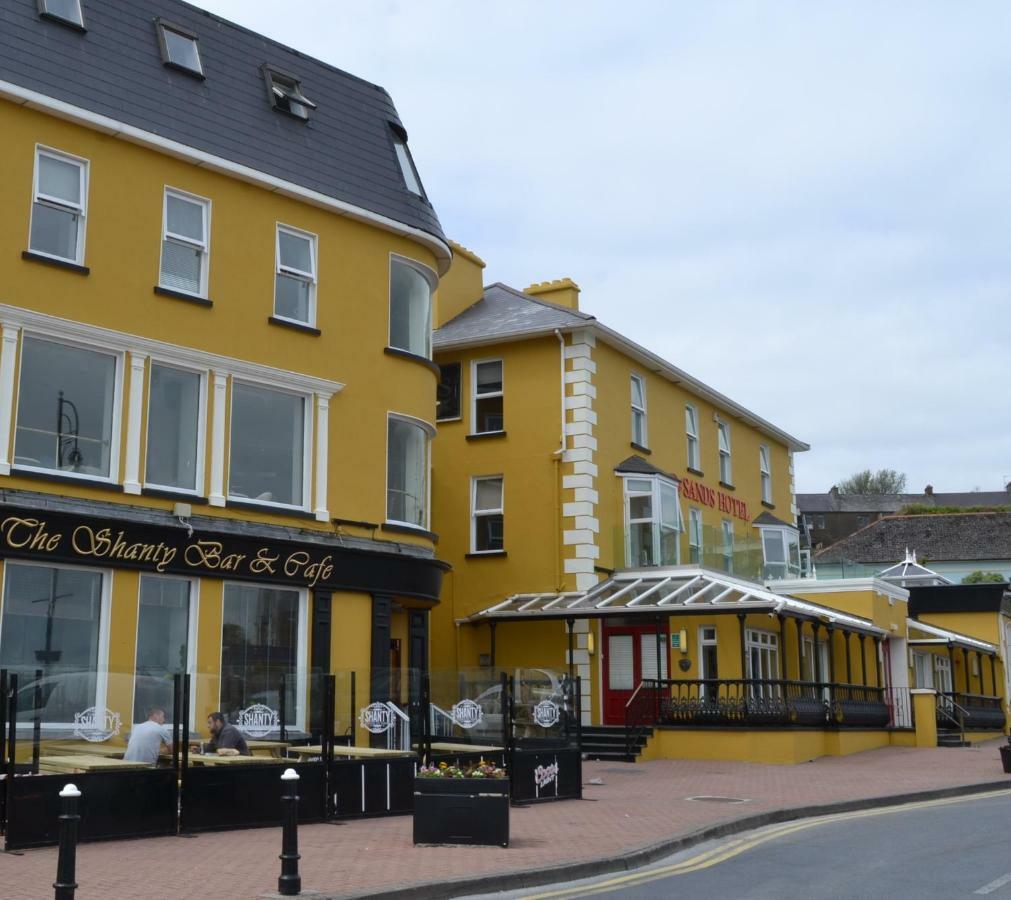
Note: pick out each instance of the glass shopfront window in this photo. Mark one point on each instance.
(66, 405)
(51, 623)
(261, 642)
(163, 629)
(173, 428)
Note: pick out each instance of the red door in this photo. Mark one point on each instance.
(629, 657)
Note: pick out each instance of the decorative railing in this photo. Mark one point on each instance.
(969, 712)
(750, 702)
(900, 707)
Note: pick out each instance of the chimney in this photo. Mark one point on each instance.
(929, 490)
(461, 287)
(561, 292)
(834, 490)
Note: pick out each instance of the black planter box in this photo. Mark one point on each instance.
(1005, 758)
(461, 811)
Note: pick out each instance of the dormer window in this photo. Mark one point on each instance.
(68, 12)
(405, 160)
(179, 48)
(286, 95)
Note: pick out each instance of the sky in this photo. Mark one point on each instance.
(805, 205)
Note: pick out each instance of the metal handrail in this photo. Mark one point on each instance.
(405, 728)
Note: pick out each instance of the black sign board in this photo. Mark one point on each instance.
(43, 535)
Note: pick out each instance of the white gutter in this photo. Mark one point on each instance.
(34, 100)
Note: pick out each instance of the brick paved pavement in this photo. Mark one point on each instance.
(636, 805)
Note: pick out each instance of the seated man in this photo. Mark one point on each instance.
(148, 738)
(224, 736)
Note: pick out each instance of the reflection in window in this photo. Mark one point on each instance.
(692, 437)
(728, 546)
(172, 428)
(488, 517)
(285, 92)
(638, 411)
(695, 535)
(184, 244)
(163, 627)
(410, 310)
(59, 207)
(51, 623)
(448, 394)
(65, 408)
(652, 521)
(64, 10)
(266, 446)
(781, 552)
(179, 48)
(407, 473)
(723, 437)
(295, 282)
(488, 414)
(406, 162)
(259, 645)
(766, 472)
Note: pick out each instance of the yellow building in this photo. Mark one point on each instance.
(217, 263)
(610, 517)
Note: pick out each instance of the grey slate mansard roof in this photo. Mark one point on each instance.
(892, 503)
(506, 314)
(345, 150)
(952, 537)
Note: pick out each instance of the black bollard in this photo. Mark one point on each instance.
(66, 864)
(290, 882)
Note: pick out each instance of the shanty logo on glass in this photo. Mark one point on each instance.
(258, 720)
(96, 724)
(467, 713)
(546, 713)
(377, 718)
(544, 775)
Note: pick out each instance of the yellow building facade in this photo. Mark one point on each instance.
(216, 387)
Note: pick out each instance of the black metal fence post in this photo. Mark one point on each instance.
(66, 865)
(37, 722)
(506, 703)
(289, 884)
(283, 711)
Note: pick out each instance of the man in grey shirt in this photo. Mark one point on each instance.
(148, 738)
(224, 736)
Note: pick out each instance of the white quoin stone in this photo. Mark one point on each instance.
(584, 415)
(577, 481)
(588, 523)
(586, 581)
(583, 442)
(582, 468)
(588, 551)
(580, 455)
(588, 389)
(575, 566)
(573, 428)
(578, 351)
(570, 510)
(586, 495)
(584, 337)
(584, 364)
(578, 376)
(577, 536)
(582, 401)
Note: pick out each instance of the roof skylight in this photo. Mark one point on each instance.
(286, 95)
(405, 160)
(67, 12)
(179, 48)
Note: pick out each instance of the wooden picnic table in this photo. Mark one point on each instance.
(84, 748)
(212, 759)
(267, 748)
(78, 762)
(445, 747)
(360, 752)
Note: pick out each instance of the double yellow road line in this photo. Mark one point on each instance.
(730, 849)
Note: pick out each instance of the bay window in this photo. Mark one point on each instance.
(781, 552)
(267, 446)
(262, 640)
(59, 206)
(407, 469)
(410, 309)
(652, 521)
(174, 432)
(487, 515)
(67, 417)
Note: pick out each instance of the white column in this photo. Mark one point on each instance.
(217, 495)
(135, 413)
(322, 448)
(8, 356)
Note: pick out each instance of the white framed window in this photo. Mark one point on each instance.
(408, 471)
(762, 656)
(59, 206)
(68, 409)
(692, 437)
(942, 674)
(295, 279)
(780, 552)
(66, 11)
(638, 387)
(723, 437)
(923, 671)
(695, 535)
(166, 641)
(765, 470)
(269, 443)
(487, 408)
(180, 48)
(411, 286)
(264, 636)
(709, 662)
(487, 518)
(727, 528)
(406, 161)
(185, 246)
(175, 428)
(55, 618)
(652, 521)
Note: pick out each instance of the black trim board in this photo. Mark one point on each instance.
(955, 598)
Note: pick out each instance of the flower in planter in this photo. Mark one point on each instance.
(480, 769)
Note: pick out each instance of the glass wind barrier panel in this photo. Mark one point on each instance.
(544, 708)
(744, 558)
(466, 707)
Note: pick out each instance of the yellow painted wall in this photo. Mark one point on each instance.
(124, 222)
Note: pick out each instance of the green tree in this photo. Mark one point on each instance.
(981, 577)
(884, 481)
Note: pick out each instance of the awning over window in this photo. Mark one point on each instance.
(667, 590)
(931, 634)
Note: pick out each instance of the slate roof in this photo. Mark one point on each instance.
(767, 518)
(503, 313)
(893, 503)
(636, 465)
(345, 151)
(953, 537)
